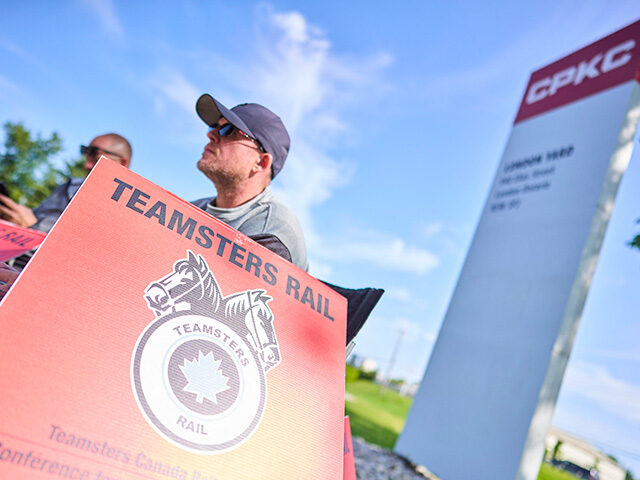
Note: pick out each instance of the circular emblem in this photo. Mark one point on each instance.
(198, 382)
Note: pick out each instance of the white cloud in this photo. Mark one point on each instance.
(171, 86)
(310, 177)
(31, 61)
(391, 253)
(319, 269)
(429, 337)
(399, 293)
(430, 229)
(627, 355)
(414, 332)
(296, 27)
(16, 50)
(293, 67)
(416, 304)
(612, 394)
(328, 123)
(407, 327)
(7, 86)
(106, 14)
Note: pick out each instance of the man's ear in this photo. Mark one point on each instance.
(264, 164)
(124, 162)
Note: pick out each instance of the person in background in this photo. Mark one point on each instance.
(42, 218)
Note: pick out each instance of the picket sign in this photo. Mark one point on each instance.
(148, 340)
(16, 240)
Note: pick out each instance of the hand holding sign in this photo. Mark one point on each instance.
(16, 213)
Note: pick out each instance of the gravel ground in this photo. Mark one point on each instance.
(376, 463)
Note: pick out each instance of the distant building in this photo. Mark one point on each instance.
(577, 451)
(401, 386)
(369, 365)
(409, 389)
(363, 363)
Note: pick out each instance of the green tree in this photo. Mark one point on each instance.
(75, 168)
(25, 164)
(635, 243)
(555, 454)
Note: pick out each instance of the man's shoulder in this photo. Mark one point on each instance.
(277, 214)
(52, 207)
(63, 192)
(202, 202)
(275, 205)
(280, 221)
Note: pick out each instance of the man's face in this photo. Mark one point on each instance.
(228, 160)
(107, 147)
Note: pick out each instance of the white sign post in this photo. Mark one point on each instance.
(486, 401)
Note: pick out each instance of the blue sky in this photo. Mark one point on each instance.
(398, 118)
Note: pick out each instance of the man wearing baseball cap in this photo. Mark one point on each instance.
(247, 148)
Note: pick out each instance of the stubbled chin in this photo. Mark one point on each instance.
(206, 164)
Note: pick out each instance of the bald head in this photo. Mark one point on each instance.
(112, 146)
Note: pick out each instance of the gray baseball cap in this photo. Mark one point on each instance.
(256, 121)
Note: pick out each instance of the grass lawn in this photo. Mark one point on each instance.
(376, 413)
(547, 472)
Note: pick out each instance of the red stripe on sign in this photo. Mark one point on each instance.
(613, 60)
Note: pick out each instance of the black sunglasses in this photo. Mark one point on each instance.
(92, 151)
(227, 129)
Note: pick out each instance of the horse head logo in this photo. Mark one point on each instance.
(191, 286)
(252, 316)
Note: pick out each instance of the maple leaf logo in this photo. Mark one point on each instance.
(204, 377)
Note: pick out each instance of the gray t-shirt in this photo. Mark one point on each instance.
(267, 221)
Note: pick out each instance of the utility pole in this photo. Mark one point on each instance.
(394, 354)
